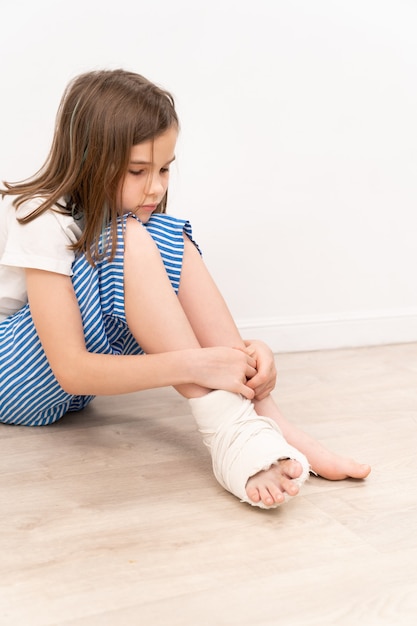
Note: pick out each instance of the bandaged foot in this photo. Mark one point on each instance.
(241, 442)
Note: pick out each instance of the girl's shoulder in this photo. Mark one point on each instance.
(26, 208)
(44, 242)
(53, 219)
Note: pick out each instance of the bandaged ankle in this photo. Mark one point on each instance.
(241, 442)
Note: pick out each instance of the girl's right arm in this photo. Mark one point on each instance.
(57, 319)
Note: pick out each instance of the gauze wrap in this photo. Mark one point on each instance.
(241, 442)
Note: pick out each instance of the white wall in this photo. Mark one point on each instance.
(297, 159)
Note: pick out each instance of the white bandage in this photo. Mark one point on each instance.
(241, 442)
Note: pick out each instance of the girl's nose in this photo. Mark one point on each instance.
(156, 185)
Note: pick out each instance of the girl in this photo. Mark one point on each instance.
(101, 292)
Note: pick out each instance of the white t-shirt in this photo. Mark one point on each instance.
(41, 243)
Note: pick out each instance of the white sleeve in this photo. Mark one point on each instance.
(41, 243)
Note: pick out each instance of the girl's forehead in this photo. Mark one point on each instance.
(161, 147)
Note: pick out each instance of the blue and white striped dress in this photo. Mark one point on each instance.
(29, 393)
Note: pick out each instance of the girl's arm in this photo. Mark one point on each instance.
(57, 319)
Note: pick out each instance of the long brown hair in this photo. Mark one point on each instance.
(102, 114)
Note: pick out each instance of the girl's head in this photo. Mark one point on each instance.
(102, 115)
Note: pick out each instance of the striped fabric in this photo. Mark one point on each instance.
(29, 392)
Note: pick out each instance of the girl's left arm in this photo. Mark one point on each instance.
(58, 322)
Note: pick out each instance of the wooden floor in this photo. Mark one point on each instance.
(113, 518)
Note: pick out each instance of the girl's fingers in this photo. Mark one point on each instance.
(250, 372)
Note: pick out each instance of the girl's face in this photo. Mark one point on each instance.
(145, 183)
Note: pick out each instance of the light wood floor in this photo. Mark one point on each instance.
(112, 517)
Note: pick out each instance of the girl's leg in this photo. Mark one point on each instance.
(213, 325)
(153, 312)
(160, 321)
(199, 317)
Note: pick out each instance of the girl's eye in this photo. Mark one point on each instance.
(136, 172)
(164, 170)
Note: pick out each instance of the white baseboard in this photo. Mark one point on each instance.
(299, 334)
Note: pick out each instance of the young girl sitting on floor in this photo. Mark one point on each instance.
(103, 293)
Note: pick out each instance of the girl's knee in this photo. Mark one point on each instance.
(133, 227)
(138, 241)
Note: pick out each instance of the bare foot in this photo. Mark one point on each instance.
(333, 466)
(323, 462)
(271, 485)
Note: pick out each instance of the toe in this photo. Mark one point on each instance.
(291, 488)
(266, 496)
(362, 471)
(276, 494)
(293, 468)
(253, 494)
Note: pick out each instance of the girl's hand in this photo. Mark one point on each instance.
(264, 380)
(225, 368)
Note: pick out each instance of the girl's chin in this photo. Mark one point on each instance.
(142, 215)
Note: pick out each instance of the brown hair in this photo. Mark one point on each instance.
(102, 114)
